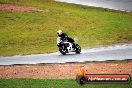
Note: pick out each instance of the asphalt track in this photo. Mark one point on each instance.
(117, 52)
(122, 5)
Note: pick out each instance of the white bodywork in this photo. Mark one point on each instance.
(70, 48)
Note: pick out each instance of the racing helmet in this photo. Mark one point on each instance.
(59, 32)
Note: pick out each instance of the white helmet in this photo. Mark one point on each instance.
(59, 32)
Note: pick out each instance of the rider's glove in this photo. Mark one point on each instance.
(58, 44)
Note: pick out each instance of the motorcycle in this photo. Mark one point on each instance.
(66, 47)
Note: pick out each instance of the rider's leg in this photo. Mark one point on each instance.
(71, 41)
(74, 45)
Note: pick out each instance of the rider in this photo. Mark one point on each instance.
(64, 37)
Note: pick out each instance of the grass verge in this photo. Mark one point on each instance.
(35, 32)
(54, 83)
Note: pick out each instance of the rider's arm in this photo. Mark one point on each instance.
(58, 40)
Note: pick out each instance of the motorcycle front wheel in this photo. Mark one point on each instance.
(62, 50)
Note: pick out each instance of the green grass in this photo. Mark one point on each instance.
(35, 32)
(54, 83)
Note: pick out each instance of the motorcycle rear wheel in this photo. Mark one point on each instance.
(78, 49)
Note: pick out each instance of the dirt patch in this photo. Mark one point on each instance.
(68, 70)
(17, 8)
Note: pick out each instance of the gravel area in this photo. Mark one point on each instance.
(68, 70)
(17, 8)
